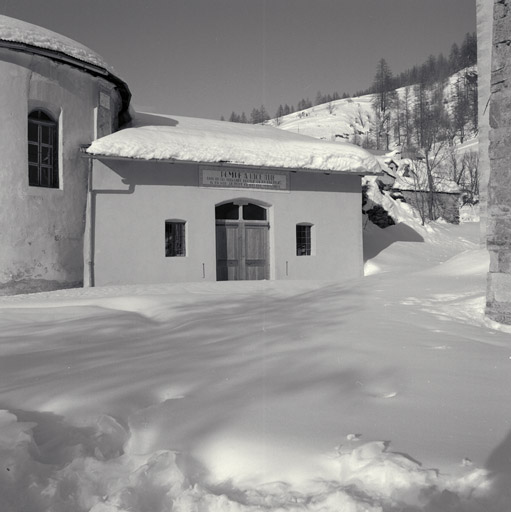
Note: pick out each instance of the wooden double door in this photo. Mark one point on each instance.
(242, 250)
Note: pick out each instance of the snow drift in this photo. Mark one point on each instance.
(387, 393)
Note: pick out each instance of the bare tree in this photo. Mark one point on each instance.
(426, 181)
(464, 171)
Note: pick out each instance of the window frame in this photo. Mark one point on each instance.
(304, 245)
(43, 146)
(244, 211)
(175, 238)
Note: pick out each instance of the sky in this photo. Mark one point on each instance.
(207, 58)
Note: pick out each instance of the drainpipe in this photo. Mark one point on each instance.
(89, 229)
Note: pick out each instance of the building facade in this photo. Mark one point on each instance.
(193, 200)
(51, 102)
(170, 222)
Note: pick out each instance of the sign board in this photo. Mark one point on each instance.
(223, 177)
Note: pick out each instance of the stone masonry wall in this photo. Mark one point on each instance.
(484, 13)
(498, 299)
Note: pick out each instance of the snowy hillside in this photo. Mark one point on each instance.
(345, 119)
(339, 120)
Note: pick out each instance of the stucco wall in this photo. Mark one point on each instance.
(41, 235)
(132, 200)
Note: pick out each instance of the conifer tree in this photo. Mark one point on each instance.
(383, 102)
(279, 114)
(255, 116)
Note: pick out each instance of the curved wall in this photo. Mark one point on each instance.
(42, 229)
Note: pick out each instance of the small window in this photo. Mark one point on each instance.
(43, 158)
(175, 243)
(303, 240)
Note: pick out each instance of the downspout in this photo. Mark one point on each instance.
(89, 229)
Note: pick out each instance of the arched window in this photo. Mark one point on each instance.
(231, 211)
(43, 154)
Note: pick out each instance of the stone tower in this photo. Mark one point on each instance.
(498, 298)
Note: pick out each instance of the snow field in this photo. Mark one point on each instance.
(387, 393)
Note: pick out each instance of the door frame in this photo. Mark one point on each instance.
(242, 224)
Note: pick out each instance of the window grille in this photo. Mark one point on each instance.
(43, 157)
(175, 242)
(303, 240)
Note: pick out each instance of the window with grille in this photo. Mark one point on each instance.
(303, 240)
(175, 241)
(43, 158)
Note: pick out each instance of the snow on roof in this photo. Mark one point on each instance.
(157, 137)
(419, 183)
(17, 31)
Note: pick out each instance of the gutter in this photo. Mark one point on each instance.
(84, 154)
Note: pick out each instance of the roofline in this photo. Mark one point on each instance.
(84, 154)
(426, 191)
(63, 58)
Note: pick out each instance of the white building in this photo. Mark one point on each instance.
(164, 198)
(54, 95)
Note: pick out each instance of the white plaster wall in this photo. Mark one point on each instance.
(41, 235)
(129, 224)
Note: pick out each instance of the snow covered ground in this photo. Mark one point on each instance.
(387, 393)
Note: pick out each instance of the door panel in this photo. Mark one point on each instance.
(228, 253)
(256, 251)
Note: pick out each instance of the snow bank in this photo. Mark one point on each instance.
(206, 141)
(84, 469)
(19, 31)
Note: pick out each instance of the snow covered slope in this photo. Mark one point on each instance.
(337, 121)
(352, 118)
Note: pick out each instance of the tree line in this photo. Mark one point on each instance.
(413, 115)
(260, 114)
(434, 70)
(428, 118)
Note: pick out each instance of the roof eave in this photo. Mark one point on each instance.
(84, 154)
(63, 58)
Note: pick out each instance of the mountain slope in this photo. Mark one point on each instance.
(350, 119)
